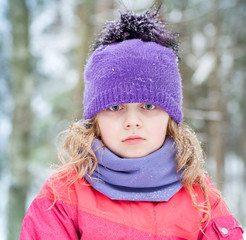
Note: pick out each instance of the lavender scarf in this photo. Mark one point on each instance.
(151, 178)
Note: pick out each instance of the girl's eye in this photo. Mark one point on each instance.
(149, 106)
(115, 108)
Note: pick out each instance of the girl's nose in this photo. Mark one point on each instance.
(132, 121)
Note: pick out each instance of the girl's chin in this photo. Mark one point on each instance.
(131, 151)
(133, 155)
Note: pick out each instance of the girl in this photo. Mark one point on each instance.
(131, 169)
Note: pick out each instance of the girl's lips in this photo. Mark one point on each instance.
(133, 140)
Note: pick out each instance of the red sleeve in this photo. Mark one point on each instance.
(48, 221)
(225, 227)
(222, 224)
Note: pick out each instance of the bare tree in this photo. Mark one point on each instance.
(22, 89)
(84, 30)
(87, 12)
(215, 127)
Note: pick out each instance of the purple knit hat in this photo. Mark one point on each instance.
(132, 71)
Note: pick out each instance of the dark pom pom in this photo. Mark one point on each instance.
(145, 26)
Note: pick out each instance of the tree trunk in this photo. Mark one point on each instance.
(86, 12)
(22, 89)
(85, 29)
(216, 144)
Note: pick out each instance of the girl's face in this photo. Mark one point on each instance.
(133, 130)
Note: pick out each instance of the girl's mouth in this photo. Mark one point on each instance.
(133, 140)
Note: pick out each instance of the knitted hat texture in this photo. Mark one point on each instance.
(132, 71)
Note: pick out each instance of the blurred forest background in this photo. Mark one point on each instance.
(43, 47)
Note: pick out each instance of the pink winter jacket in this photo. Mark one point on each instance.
(80, 212)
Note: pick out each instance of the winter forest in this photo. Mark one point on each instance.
(43, 48)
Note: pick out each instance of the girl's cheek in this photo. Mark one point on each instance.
(111, 114)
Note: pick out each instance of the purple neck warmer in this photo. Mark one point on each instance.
(151, 178)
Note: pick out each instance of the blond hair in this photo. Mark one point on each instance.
(76, 155)
(191, 163)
